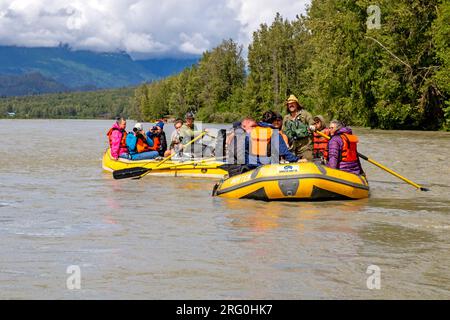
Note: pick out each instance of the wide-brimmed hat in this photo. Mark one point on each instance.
(291, 99)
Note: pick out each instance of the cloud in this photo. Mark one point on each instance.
(142, 27)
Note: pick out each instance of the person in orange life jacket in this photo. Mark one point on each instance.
(117, 138)
(159, 138)
(342, 151)
(139, 144)
(266, 145)
(320, 143)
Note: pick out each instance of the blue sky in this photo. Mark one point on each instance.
(139, 27)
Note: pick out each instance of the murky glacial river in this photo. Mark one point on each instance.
(167, 238)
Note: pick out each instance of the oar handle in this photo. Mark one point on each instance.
(379, 165)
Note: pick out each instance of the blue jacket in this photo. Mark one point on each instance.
(283, 150)
(132, 140)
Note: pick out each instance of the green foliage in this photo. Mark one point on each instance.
(105, 104)
(393, 77)
(272, 64)
(213, 88)
(441, 39)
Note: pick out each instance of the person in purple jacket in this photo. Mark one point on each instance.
(342, 152)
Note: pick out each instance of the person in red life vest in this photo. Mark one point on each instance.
(117, 139)
(320, 143)
(342, 151)
(139, 144)
(158, 136)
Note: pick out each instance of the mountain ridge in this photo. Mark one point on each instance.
(74, 69)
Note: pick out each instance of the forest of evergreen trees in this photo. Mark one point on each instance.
(383, 67)
(105, 104)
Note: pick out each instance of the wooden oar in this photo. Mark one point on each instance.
(140, 172)
(379, 165)
(194, 163)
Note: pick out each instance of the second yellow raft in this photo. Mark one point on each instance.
(294, 182)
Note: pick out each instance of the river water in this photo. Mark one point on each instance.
(167, 238)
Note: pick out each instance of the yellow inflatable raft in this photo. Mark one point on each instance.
(300, 181)
(172, 167)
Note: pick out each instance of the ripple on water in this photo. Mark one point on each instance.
(5, 204)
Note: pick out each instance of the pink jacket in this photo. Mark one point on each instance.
(115, 138)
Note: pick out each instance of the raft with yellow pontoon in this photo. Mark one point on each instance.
(174, 168)
(294, 182)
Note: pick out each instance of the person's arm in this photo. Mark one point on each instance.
(131, 142)
(229, 138)
(188, 134)
(149, 139)
(247, 149)
(185, 134)
(284, 151)
(333, 153)
(285, 120)
(163, 142)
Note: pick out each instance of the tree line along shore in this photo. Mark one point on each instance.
(384, 66)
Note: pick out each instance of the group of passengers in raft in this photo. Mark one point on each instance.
(139, 145)
(250, 144)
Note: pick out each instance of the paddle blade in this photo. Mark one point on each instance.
(129, 173)
(424, 189)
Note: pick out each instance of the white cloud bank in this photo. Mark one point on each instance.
(139, 27)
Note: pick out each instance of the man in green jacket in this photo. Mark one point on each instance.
(188, 132)
(297, 128)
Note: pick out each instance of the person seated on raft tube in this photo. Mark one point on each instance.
(175, 141)
(235, 126)
(264, 143)
(158, 136)
(189, 132)
(234, 145)
(342, 151)
(139, 145)
(320, 143)
(117, 139)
